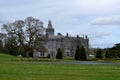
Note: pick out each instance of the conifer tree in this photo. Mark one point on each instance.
(99, 53)
(82, 53)
(59, 54)
(106, 54)
(77, 53)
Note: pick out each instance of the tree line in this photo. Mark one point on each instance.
(113, 52)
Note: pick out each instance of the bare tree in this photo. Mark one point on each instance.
(34, 30)
(27, 33)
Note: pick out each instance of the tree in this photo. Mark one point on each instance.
(11, 46)
(82, 53)
(59, 54)
(77, 53)
(99, 53)
(27, 33)
(107, 54)
(113, 52)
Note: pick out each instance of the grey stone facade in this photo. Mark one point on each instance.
(67, 44)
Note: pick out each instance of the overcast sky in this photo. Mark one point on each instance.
(99, 19)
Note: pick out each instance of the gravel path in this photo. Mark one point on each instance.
(90, 62)
(66, 62)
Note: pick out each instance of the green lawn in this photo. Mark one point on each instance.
(34, 71)
(6, 57)
(18, 70)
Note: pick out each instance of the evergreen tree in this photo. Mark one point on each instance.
(107, 54)
(48, 55)
(59, 54)
(114, 52)
(1, 46)
(99, 53)
(82, 53)
(77, 53)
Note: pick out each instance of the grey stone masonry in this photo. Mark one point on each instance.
(67, 44)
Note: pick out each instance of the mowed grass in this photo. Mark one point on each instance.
(39, 71)
(13, 70)
(6, 57)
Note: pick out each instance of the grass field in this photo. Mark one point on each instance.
(33, 71)
(46, 71)
(6, 57)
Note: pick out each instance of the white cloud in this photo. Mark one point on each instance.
(2, 18)
(102, 39)
(1, 21)
(109, 20)
(100, 35)
(97, 4)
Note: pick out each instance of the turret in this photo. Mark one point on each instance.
(66, 34)
(50, 30)
(49, 25)
(87, 40)
(77, 36)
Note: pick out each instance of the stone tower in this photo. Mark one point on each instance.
(50, 30)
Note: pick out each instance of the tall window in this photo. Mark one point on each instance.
(42, 53)
(68, 48)
(67, 53)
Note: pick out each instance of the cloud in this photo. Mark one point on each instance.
(109, 20)
(101, 40)
(99, 35)
(97, 6)
(13, 3)
(2, 19)
(102, 45)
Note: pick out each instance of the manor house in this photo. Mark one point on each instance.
(67, 44)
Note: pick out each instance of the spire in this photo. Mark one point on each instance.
(66, 34)
(49, 24)
(86, 37)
